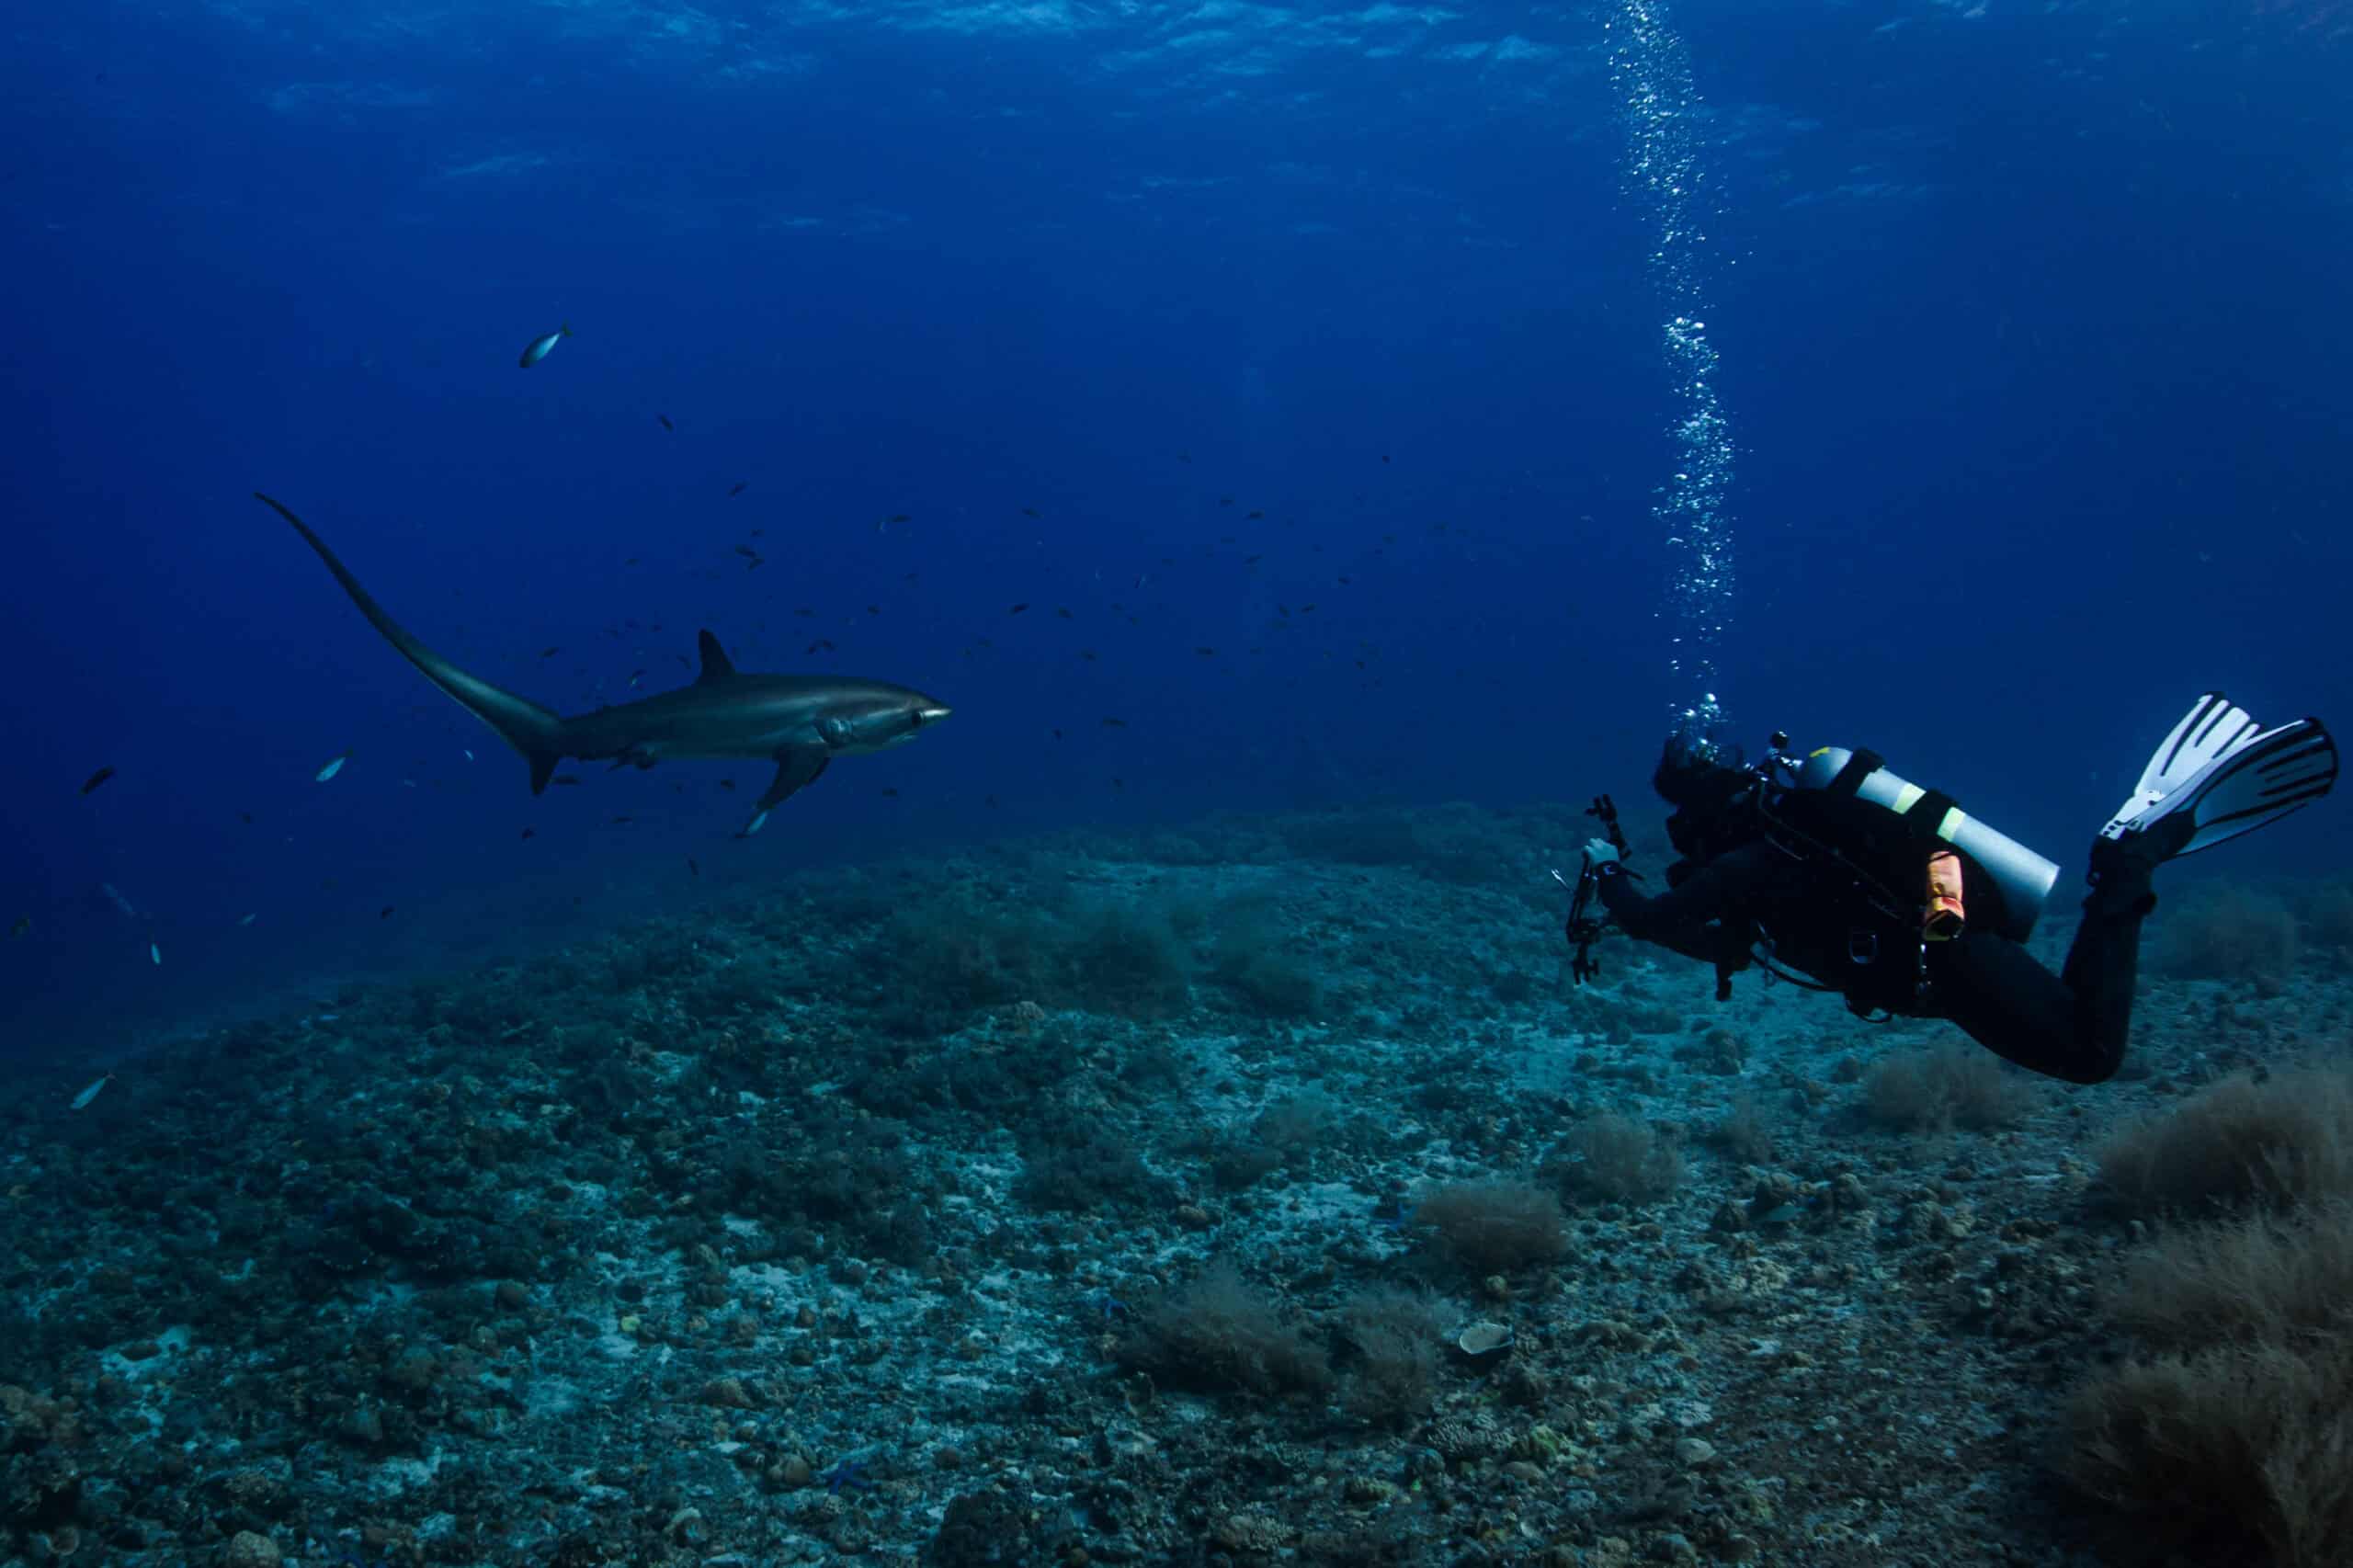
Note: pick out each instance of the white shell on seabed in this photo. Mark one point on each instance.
(1483, 1339)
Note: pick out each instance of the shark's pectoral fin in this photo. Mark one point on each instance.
(796, 767)
(543, 767)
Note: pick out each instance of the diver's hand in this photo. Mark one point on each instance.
(1600, 852)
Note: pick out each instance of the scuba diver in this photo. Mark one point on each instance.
(1831, 866)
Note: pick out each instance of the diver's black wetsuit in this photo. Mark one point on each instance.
(2071, 1025)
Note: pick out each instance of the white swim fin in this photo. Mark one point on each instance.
(2220, 773)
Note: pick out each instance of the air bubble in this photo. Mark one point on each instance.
(1662, 174)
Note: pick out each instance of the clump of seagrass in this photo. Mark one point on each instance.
(1618, 1158)
(1954, 1085)
(1495, 1227)
(2236, 1418)
(2232, 933)
(1393, 1336)
(2276, 1142)
(1744, 1133)
(1218, 1334)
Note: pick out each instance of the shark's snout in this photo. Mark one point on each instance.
(932, 713)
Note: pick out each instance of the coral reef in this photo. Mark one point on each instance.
(1254, 1191)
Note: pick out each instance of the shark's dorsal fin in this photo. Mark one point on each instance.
(716, 665)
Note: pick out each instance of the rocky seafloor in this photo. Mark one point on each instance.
(1258, 1192)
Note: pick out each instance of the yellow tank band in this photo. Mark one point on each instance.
(1953, 821)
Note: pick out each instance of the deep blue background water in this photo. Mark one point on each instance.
(2032, 324)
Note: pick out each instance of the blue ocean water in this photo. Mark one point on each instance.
(2028, 327)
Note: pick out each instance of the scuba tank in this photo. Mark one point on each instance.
(2020, 879)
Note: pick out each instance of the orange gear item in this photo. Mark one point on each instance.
(1944, 918)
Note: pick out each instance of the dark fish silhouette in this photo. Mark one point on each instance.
(95, 779)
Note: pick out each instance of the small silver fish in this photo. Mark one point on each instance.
(82, 1101)
(250, 918)
(332, 768)
(537, 349)
(155, 953)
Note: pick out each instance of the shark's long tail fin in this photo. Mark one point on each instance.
(531, 728)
